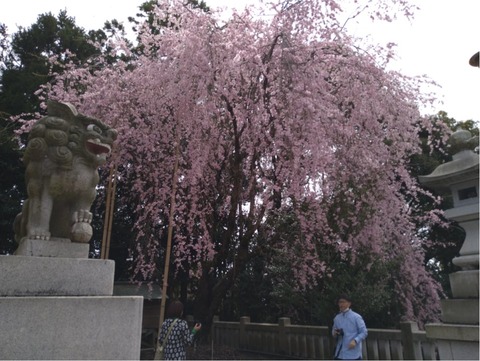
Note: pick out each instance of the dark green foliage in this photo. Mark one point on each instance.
(122, 237)
(27, 67)
(265, 297)
(12, 190)
(370, 285)
(267, 289)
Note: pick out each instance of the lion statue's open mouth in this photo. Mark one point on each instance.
(96, 147)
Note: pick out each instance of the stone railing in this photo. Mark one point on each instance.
(285, 340)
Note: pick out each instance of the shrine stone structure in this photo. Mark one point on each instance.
(457, 336)
(55, 302)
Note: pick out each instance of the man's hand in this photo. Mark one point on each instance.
(352, 344)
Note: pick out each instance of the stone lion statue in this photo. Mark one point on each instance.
(63, 153)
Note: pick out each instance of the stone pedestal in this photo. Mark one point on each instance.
(63, 309)
(70, 328)
(463, 307)
(457, 337)
(51, 276)
(55, 247)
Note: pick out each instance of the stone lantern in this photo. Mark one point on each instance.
(457, 337)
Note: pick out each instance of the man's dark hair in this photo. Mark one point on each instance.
(345, 297)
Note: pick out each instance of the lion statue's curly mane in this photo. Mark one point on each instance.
(63, 153)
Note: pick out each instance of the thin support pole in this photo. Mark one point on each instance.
(109, 203)
(169, 236)
(112, 209)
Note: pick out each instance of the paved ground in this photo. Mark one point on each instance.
(202, 352)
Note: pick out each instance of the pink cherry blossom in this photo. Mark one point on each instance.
(272, 114)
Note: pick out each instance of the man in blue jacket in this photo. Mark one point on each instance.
(350, 330)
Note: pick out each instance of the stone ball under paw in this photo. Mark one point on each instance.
(81, 232)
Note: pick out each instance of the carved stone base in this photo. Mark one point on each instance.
(55, 247)
(52, 276)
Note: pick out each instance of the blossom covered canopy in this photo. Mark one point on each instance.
(271, 114)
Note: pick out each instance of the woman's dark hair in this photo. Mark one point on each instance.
(174, 310)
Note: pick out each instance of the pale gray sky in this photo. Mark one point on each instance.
(438, 42)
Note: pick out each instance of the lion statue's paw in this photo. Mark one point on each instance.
(39, 234)
(81, 229)
(82, 216)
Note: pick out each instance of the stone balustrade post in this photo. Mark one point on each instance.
(243, 333)
(407, 329)
(283, 344)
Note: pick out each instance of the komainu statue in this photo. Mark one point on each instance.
(63, 153)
